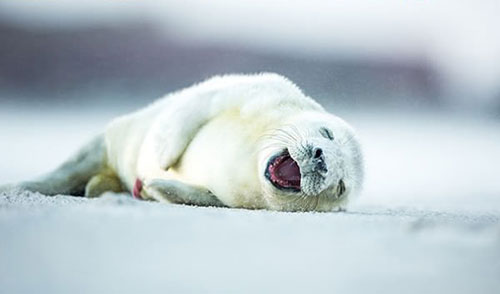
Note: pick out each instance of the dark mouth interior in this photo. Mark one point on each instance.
(284, 172)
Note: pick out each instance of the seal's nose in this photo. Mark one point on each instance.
(318, 152)
(319, 160)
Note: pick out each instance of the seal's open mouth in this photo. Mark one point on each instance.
(283, 172)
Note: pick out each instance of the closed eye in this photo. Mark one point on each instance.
(326, 133)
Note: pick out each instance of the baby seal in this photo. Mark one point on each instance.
(246, 141)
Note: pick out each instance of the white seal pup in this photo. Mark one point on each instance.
(246, 141)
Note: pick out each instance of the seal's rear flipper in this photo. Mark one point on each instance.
(180, 193)
(72, 177)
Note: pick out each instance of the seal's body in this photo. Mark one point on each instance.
(249, 141)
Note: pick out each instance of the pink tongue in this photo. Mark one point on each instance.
(289, 170)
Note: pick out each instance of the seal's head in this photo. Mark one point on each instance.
(312, 162)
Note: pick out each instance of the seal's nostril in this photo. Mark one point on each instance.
(317, 152)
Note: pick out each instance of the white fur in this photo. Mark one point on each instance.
(168, 125)
(211, 135)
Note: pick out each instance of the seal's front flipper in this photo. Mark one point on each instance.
(180, 193)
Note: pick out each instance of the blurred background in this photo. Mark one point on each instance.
(420, 80)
